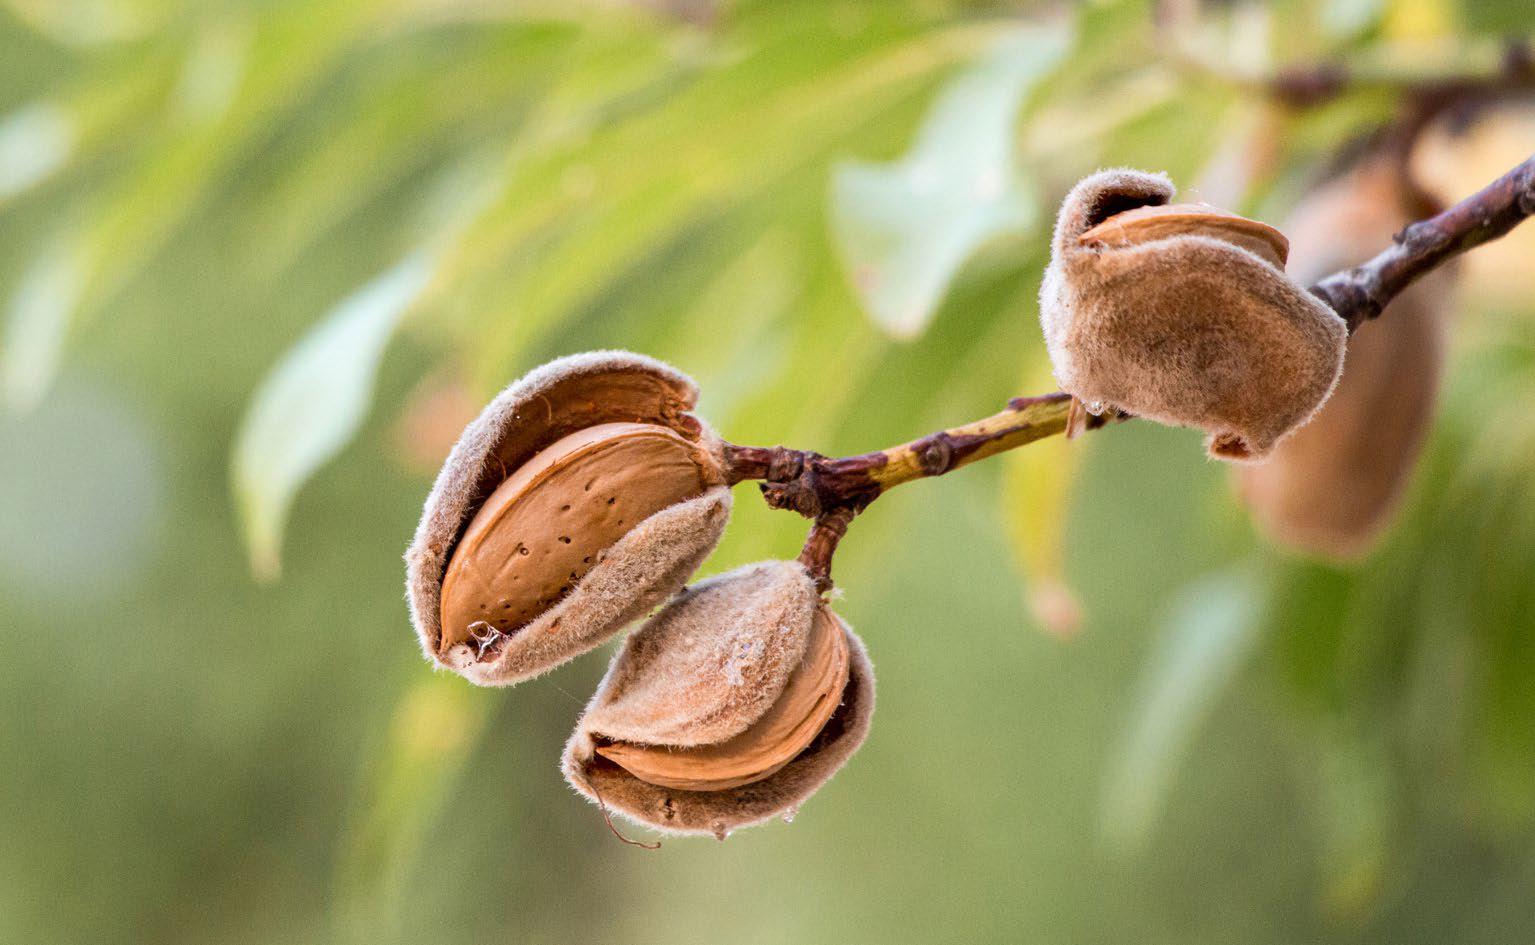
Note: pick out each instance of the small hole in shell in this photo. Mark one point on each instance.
(612, 499)
(564, 539)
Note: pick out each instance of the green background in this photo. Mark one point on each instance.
(1237, 745)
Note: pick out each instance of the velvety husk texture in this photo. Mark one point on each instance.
(641, 570)
(1189, 330)
(701, 671)
(1331, 489)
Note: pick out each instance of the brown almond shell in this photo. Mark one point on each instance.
(1148, 224)
(724, 703)
(1190, 326)
(650, 563)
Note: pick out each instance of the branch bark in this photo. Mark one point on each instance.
(1363, 292)
(833, 490)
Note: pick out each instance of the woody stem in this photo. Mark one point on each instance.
(831, 491)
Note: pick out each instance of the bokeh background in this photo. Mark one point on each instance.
(259, 261)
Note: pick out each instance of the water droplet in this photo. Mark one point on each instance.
(720, 830)
(1095, 407)
(790, 814)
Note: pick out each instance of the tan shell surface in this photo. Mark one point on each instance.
(1148, 224)
(648, 565)
(812, 694)
(542, 530)
(716, 813)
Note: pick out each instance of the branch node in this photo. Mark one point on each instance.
(936, 454)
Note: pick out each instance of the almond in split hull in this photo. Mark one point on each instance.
(1183, 314)
(546, 525)
(1152, 223)
(809, 699)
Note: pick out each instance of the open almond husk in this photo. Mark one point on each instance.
(584, 495)
(730, 706)
(1183, 314)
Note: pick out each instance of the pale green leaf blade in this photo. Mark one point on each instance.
(312, 404)
(906, 228)
(35, 141)
(1205, 640)
(37, 320)
(437, 724)
(1038, 483)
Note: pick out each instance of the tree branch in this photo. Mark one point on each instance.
(832, 491)
(1308, 87)
(1363, 292)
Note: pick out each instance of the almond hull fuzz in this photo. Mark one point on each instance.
(731, 706)
(1183, 315)
(1331, 489)
(811, 696)
(582, 497)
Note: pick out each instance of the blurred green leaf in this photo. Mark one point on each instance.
(1357, 809)
(435, 728)
(312, 403)
(35, 141)
(1345, 19)
(91, 22)
(548, 248)
(905, 229)
(146, 202)
(36, 322)
(1037, 490)
(1202, 644)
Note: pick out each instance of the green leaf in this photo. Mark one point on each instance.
(1204, 641)
(1357, 808)
(35, 141)
(437, 724)
(1036, 503)
(904, 229)
(145, 204)
(312, 404)
(36, 323)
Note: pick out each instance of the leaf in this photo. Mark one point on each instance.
(35, 141)
(1356, 806)
(90, 22)
(36, 323)
(436, 726)
(904, 229)
(138, 212)
(1347, 19)
(312, 403)
(1208, 633)
(547, 249)
(1036, 503)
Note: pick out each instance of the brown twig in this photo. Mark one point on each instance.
(1311, 86)
(816, 486)
(831, 491)
(1362, 293)
(821, 545)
